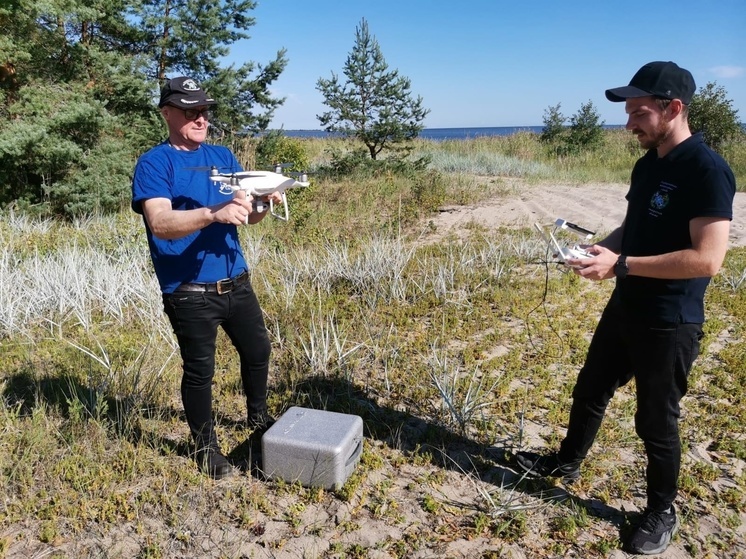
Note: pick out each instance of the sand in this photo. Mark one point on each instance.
(599, 207)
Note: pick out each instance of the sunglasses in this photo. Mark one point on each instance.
(194, 114)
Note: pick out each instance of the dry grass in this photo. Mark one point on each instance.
(452, 353)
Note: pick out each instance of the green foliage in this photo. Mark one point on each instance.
(357, 162)
(554, 124)
(585, 132)
(345, 163)
(99, 185)
(52, 130)
(712, 113)
(374, 105)
(586, 129)
(245, 101)
(429, 190)
(276, 148)
(79, 84)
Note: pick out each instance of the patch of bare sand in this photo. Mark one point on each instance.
(595, 206)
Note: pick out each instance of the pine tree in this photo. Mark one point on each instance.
(190, 37)
(374, 104)
(554, 124)
(586, 129)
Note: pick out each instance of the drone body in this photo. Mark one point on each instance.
(258, 184)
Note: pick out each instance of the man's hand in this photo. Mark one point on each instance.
(235, 211)
(598, 268)
(275, 197)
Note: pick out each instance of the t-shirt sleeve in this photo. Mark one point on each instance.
(719, 188)
(150, 180)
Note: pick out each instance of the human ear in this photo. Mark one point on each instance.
(675, 106)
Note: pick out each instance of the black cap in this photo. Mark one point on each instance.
(661, 79)
(184, 93)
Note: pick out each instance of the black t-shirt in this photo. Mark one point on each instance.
(665, 195)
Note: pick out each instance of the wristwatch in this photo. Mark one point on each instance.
(621, 269)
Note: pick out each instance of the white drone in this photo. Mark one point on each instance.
(565, 252)
(258, 184)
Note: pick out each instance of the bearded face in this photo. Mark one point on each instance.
(649, 122)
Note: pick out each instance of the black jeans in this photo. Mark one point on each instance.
(195, 318)
(659, 357)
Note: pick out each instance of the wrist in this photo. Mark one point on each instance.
(621, 268)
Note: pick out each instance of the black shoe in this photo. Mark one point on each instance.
(547, 465)
(213, 463)
(654, 533)
(259, 423)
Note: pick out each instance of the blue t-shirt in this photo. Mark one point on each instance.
(207, 255)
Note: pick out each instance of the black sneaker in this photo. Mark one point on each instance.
(547, 465)
(213, 463)
(654, 533)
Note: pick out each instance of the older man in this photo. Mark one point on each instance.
(673, 239)
(191, 227)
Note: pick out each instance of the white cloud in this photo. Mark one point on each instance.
(728, 71)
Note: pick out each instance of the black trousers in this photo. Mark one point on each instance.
(195, 318)
(659, 358)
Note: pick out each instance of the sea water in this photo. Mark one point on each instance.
(445, 133)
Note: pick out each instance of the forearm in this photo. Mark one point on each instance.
(174, 224)
(703, 259)
(682, 264)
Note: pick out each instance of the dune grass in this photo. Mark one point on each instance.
(454, 353)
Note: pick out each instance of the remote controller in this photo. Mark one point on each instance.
(574, 252)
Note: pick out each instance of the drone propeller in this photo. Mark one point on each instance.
(302, 176)
(213, 169)
(279, 167)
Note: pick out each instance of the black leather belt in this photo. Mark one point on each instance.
(219, 287)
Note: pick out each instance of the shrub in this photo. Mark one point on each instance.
(275, 148)
(586, 129)
(711, 113)
(554, 124)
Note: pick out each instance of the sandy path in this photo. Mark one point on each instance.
(599, 207)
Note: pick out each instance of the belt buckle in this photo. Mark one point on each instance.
(224, 286)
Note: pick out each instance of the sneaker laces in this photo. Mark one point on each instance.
(653, 520)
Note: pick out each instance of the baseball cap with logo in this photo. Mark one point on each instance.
(184, 93)
(660, 79)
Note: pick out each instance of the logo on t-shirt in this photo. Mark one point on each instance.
(661, 198)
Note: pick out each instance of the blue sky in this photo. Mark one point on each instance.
(499, 63)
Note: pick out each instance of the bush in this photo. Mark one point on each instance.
(554, 124)
(358, 162)
(711, 113)
(586, 129)
(274, 148)
(584, 134)
(429, 191)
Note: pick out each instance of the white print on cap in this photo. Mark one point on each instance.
(190, 85)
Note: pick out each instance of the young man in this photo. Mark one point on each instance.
(672, 241)
(191, 226)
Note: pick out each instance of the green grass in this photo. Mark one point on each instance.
(364, 319)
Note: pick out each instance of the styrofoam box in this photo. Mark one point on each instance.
(316, 447)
